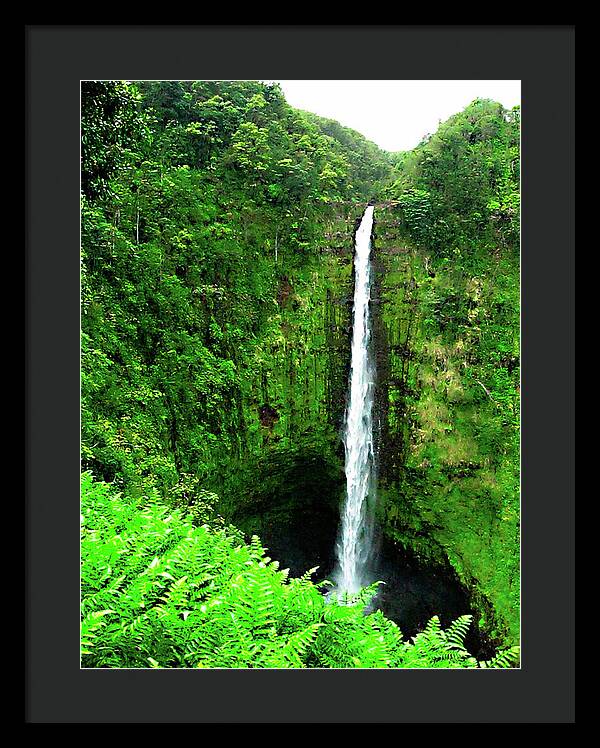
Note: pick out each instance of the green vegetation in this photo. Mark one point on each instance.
(449, 244)
(459, 189)
(217, 226)
(199, 238)
(160, 591)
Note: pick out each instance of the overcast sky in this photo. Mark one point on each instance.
(395, 114)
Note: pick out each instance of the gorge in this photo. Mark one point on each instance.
(225, 246)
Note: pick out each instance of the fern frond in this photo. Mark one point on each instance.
(160, 591)
(506, 658)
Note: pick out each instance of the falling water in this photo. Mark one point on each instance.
(354, 546)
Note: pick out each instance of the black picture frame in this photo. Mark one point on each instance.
(57, 58)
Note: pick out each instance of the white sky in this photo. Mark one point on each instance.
(395, 114)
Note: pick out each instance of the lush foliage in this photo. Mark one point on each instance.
(216, 278)
(460, 188)
(194, 235)
(159, 591)
(450, 241)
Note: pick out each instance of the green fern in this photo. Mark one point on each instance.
(504, 659)
(160, 592)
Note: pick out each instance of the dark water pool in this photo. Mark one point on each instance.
(413, 591)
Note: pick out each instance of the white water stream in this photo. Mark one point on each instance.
(356, 538)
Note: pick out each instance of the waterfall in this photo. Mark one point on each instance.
(354, 545)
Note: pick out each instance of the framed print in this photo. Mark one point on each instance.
(288, 378)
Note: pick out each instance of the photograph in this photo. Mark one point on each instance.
(300, 374)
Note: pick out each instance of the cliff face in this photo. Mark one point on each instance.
(287, 480)
(447, 440)
(448, 446)
(303, 357)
